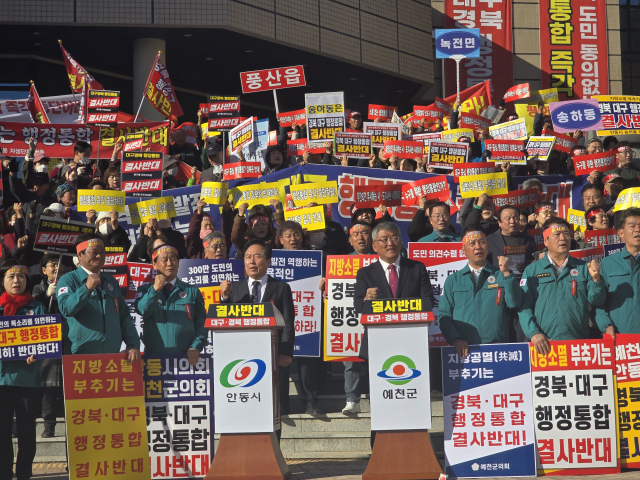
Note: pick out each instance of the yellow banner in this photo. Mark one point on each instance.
(454, 135)
(489, 183)
(14, 337)
(214, 193)
(577, 219)
(627, 199)
(321, 193)
(627, 411)
(101, 200)
(158, 208)
(310, 218)
(258, 194)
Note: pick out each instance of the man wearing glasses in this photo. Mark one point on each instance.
(440, 217)
(215, 246)
(558, 290)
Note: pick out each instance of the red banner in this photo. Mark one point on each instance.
(602, 162)
(588, 254)
(600, 238)
(159, 91)
(272, 79)
(381, 111)
(469, 120)
(573, 48)
(496, 52)
(505, 149)
(564, 143)
(75, 72)
(430, 113)
(536, 234)
(57, 140)
(518, 198)
(298, 147)
(517, 92)
(432, 187)
(468, 169)
(372, 196)
(474, 99)
(233, 171)
(286, 119)
(402, 149)
(38, 114)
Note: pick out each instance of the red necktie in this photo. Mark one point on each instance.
(393, 280)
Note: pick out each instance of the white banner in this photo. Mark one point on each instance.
(60, 109)
(325, 116)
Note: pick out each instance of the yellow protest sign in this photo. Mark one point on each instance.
(627, 199)
(454, 135)
(310, 218)
(158, 208)
(322, 193)
(101, 200)
(489, 183)
(577, 219)
(214, 193)
(314, 178)
(528, 112)
(258, 194)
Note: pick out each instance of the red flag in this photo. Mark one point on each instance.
(75, 72)
(474, 99)
(84, 101)
(38, 114)
(159, 91)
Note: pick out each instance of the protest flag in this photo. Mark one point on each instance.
(76, 72)
(36, 109)
(159, 91)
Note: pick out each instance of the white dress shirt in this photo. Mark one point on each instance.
(476, 273)
(385, 267)
(559, 268)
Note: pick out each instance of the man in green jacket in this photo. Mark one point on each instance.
(440, 217)
(93, 308)
(621, 273)
(474, 302)
(558, 290)
(173, 311)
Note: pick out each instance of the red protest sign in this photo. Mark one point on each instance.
(138, 274)
(468, 169)
(518, 198)
(600, 238)
(470, 120)
(286, 119)
(371, 196)
(223, 112)
(517, 92)
(430, 113)
(233, 171)
(298, 147)
(444, 104)
(536, 234)
(432, 187)
(381, 132)
(588, 254)
(585, 164)
(381, 111)
(402, 149)
(505, 149)
(564, 143)
(204, 108)
(272, 79)
(133, 142)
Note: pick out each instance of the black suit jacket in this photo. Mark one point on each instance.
(496, 244)
(278, 293)
(413, 283)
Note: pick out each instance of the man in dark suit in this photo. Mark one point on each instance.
(259, 287)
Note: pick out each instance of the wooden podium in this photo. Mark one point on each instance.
(398, 338)
(245, 369)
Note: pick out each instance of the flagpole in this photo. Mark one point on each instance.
(147, 85)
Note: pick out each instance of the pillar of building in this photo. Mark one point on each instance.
(144, 54)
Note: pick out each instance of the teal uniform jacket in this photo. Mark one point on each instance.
(478, 313)
(434, 237)
(550, 308)
(622, 308)
(97, 320)
(172, 325)
(17, 373)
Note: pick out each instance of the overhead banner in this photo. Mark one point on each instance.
(513, 130)
(432, 188)
(383, 112)
(495, 62)
(372, 196)
(382, 132)
(22, 336)
(55, 235)
(311, 219)
(441, 260)
(223, 112)
(351, 144)
(325, 116)
(567, 117)
(539, 148)
(302, 270)
(447, 154)
(574, 399)
(321, 193)
(59, 109)
(602, 162)
(299, 117)
(342, 329)
(488, 412)
(491, 184)
(573, 48)
(142, 174)
(272, 79)
(619, 115)
(158, 208)
(511, 150)
(101, 200)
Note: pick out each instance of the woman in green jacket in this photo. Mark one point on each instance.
(20, 391)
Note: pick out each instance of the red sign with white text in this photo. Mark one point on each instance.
(383, 112)
(468, 169)
(372, 196)
(602, 162)
(505, 149)
(272, 79)
(432, 188)
(298, 147)
(286, 119)
(470, 120)
(518, 198)
(233, 171)
(600, 238)
(402, 149)
(517, 92)
(564, 143)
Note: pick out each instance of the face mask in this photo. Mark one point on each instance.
(106, 228)
(172, 171)
(41, 168)
(85, 160)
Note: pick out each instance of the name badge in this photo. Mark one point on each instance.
(494, 285)
(541, 275)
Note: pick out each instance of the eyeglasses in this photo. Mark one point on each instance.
(440, 217)
(217, 247)
(385, 240)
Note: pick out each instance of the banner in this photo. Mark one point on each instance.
(574, 400)
(55, 235)
(565, 143)
(511, 150)
(241, 136)
(57, 141)
(628, 198)
(432, 188)
(258, 194)
(133, 142)
(430, 113)
(539, 148)
(102, 109)
(520, 199)
(469, 120)
(301, 146)
(513, 130)
(116, 264)
(567, 117)
(342, 329)
(454, 135)
(321, 193)
(223, 112)
(299, 117)
(441, 260)
(372, 196)
(383, 112)
(628, 383)
(402, 149)
(158, 208)
(302, 270)
(159, 91)
(600, 238)
(382, 132)
(142, 174)
(353, 145)
(106, 428)
(237, 170)
(77, 74)
(22, 336)
(101, 200)
(272, 79)
(59, 109)
(619, 115)
(491, 184)
(573, 48)
(588, 254)
(473, 168)
(207, 275)
(311, 218)
(179, 412)
(446, 154)
(325, 116)
(488, 412)
(613, 249)
(602, 162)
(576, 218)
(36, 109)
(517, 92)
(214, 193)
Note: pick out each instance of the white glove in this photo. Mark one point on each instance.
(51, 291)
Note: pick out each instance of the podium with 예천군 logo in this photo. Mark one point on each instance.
(245, 393)
(400, 396)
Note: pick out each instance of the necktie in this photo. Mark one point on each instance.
(393, 280)
(167, 289)
(255, 292)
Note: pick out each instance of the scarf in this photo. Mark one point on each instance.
(13, 303)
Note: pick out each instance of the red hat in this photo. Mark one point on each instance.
(353, 114)
(611, 177)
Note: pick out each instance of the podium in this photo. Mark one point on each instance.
(398, 336)
(245, 392)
